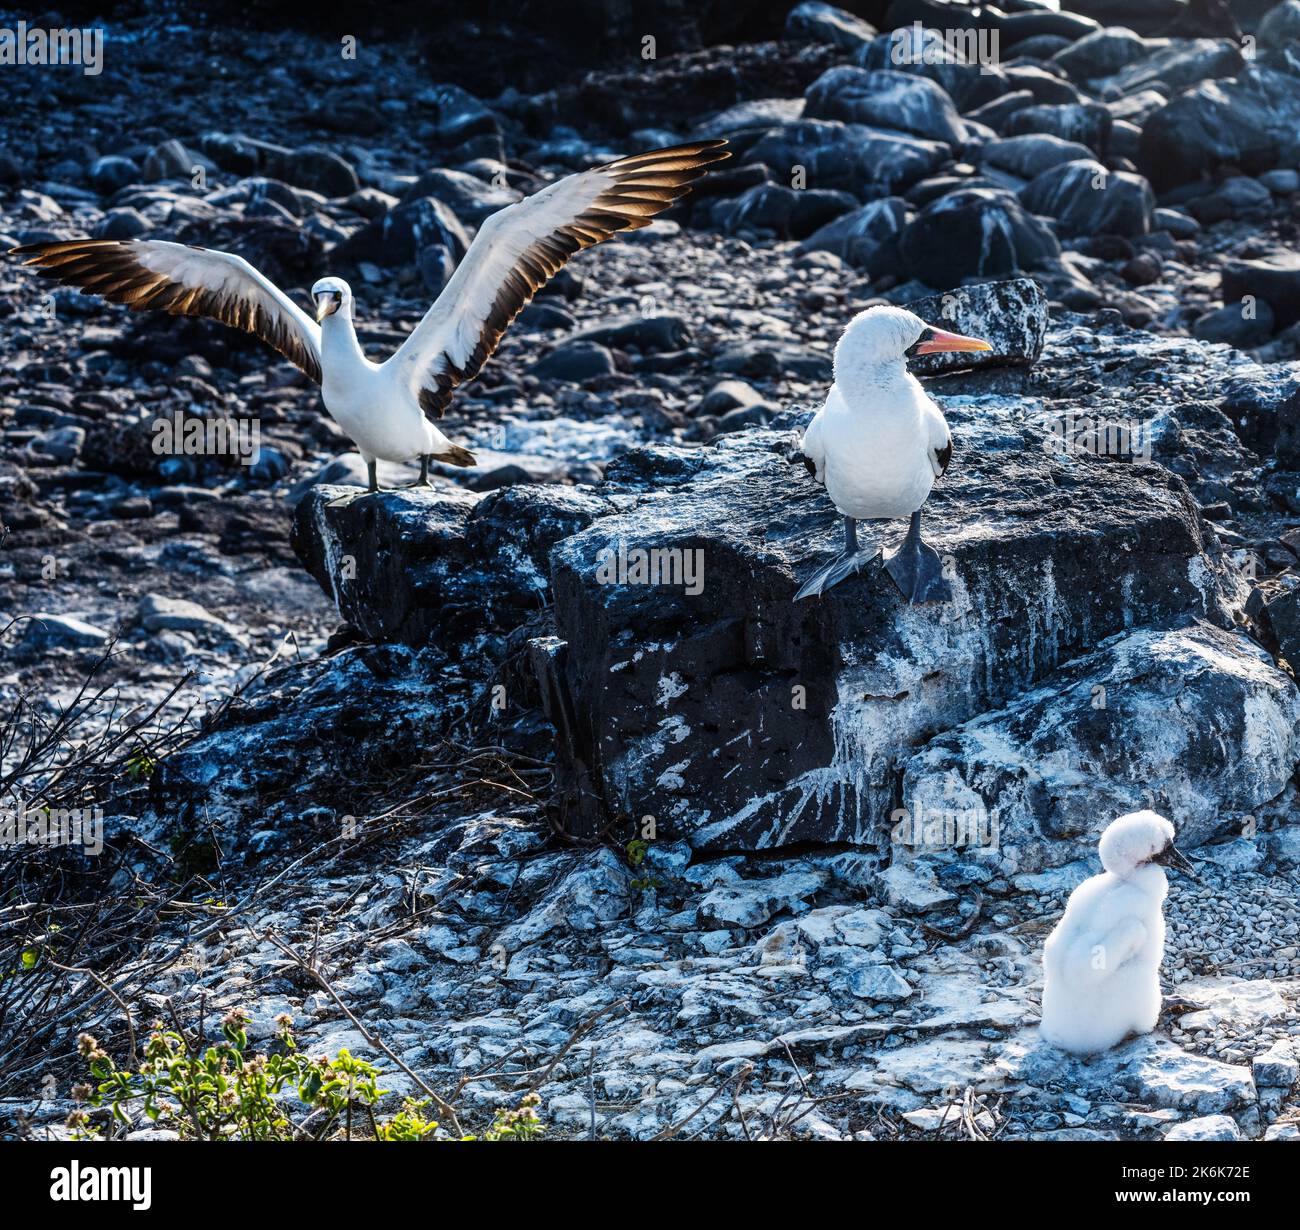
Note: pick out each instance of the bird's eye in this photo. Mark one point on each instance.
(926, 335)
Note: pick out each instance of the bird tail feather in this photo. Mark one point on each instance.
(457, 456)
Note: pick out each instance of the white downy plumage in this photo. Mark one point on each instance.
(1102, 962)
(387, 407)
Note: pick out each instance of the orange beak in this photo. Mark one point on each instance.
(939, 340)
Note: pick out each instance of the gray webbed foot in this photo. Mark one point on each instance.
(917, 569)
(852, 559)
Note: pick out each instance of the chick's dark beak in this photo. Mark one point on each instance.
(1172, 856)
(327, 303)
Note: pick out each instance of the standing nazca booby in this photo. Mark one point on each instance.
(878, 444)
(389, 408)
(1101, 964)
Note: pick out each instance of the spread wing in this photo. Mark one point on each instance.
(518, 249)
(184, 281)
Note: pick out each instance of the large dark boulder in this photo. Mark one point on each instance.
(857, 237)
(887, 99)
(312, 166)
(1252, 123)
(1277, 282)
(1085, 123)
(1149, 17)
(468, 197)
(1031, 154)
(1087, 199)
(787, 212)
(1194, 721)
(1101, 53)
(403, 233)
(968, 83)
(824, 23)
(740, 718)
(853, 157)
(1179, 65)
(1011, 315)
(974, 232)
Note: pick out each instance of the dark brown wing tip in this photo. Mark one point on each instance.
(703, 152)
(36, 252)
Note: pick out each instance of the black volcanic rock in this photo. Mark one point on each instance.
(1251, 122)
(1280, 25)
(1195, 721)
(739, 718)
(110, 173)
(421, 564)
(1031, 154)
(1086, 123)
(824, 23)
(312, 166)
(1180, 65)
(788, 212)
(886, 99)
(1277, 282)
(853, 157)
(969, 85)
(974, 232)
(468, 197)
(1087, 199)
(676, 88)
(1101, 53)
(1282, 617)
(858, 236)
(1151, 17)
(1011, 315)
(400, 236)
(1287, 447)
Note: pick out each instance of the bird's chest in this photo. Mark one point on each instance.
(361, 400)
(877, 464)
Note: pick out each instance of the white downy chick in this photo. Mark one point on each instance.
(1102, 962)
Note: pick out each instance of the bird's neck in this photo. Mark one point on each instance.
(1149, 879)
(866, 382)
(338, 339)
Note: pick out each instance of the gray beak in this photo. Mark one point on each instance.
(1172, 856)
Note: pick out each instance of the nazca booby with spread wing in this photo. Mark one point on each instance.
(388, 408)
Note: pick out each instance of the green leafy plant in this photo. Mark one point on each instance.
(140, 765)
(229, 1091)
(636, 850)
(519, 1124)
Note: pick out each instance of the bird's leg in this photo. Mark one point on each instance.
(917, 569)
(371, 466)
(850, 561)
(423, 480)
